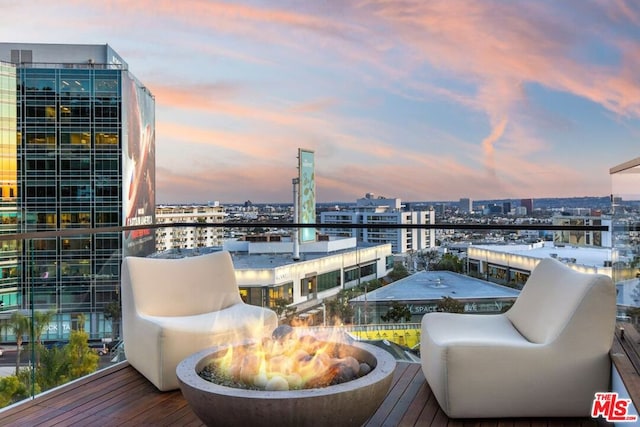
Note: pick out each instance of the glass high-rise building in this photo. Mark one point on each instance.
(9, 271)
(77, 141)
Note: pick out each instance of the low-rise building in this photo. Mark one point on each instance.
(380, 211)
(189, 237)
(511, 265)
(267, 271)
(422, 292)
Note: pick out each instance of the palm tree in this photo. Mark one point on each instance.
(41, 320)
(21, 326)
(113, 312)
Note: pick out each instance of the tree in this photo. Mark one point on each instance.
(21, 326)
(449, 262)
(282, 308)
(113, 313)
(399, 271)
(54, 368)
(14, 388)
(397, 313)
(41, 320)
(82, 360)
(372, 285)
(41, 323)
(450, 305)
(429, 259)
(339, 308)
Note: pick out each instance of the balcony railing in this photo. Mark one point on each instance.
(61, 282)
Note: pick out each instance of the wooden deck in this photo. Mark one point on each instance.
(120, 396)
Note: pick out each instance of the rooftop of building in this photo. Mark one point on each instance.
(58, 53)
(582, 255)
(433, 285)
(264, 261)
(244, 260)
(628, 293)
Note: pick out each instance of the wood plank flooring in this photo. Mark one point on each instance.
(120, 396)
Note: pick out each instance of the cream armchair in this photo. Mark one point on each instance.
(172, 308)
(546, 356)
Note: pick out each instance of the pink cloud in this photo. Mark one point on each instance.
(496, 52)
(492, 49)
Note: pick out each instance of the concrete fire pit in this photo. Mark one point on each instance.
(347, 404)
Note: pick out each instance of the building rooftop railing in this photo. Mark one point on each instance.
(72, 65)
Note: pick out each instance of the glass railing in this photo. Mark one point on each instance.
(60, 315)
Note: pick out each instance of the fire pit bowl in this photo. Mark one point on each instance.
(349, 403)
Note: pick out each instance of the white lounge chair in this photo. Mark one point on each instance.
(546, 356)
(172, 308)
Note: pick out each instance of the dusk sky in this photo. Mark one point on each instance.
(421, 100)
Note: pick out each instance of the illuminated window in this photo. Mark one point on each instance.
(106, 139)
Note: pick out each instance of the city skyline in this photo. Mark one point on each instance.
(434, 100)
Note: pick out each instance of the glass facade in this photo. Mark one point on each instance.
(329, 280)
(79, 130)
(625, 203)
(9, 271)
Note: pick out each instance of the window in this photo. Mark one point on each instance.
(76, 138)
(40, 82)
(106, 218)
(107, 243)
(75, 190)
(281, 292)
(74, 110)
(329, 280)
(44, 244)
(107, 191)
(389, 262)
(45, 190)
(308, 287)
(368, 270)
(106, 84)
(75, 218)
(351, 275)
(40, 110)
(76, 243)
(47, 218)
(75, 84)
(44, 138)
(41, 166)
(252, 295)
(106, 165)
(107, 139)
(74, 165)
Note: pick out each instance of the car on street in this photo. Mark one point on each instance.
(113, 345)
(100, 348)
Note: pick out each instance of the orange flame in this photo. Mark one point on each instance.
(296, 361)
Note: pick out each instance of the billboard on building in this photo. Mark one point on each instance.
(138, 166)
(307, 194)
